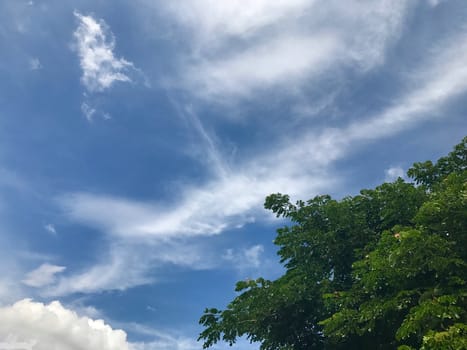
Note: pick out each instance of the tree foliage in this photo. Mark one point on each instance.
(385, 269)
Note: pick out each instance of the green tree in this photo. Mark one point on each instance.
(384, 269)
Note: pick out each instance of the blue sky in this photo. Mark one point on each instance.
(138, 140)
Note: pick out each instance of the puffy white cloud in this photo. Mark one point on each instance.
(52, 326)
(43, 275)
(95, 44)
(29, 325)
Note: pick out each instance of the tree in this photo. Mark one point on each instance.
(384, 269)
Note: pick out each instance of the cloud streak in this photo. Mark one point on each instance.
(247, 258)
(43, 275)
(300, 166)
(238, 49)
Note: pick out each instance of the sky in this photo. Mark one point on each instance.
(138, 140)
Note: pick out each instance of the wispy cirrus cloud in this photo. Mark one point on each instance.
(101, 68)
(238, 49)
(141, 259)
(43, 275)
(50, 228)
(95, 46)
(246, 258)
(299, 166)
(35, 64)
(279, 61)
(215, 21)
(173, 340)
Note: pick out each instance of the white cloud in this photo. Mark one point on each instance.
(88, 111)
(208, 210)
(441, 78)
(299, 166)
(95, 45)
(167, 344)
(107, 274)
(393, 173)
(52, 326)
(276, 62)
(212, 20)
(132, 262)
(50, 228)
(43, 275)
(252, 255)
(184, 343)
(161, 340)
(238, 49)
(434, 3)
(170, 340)
(35, 64)
(247, 258)
(37, 326)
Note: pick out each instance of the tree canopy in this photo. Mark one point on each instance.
(385, 269)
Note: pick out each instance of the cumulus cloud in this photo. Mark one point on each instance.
(43, 275)
(52, 326)
(32, 325)
(95, 45)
